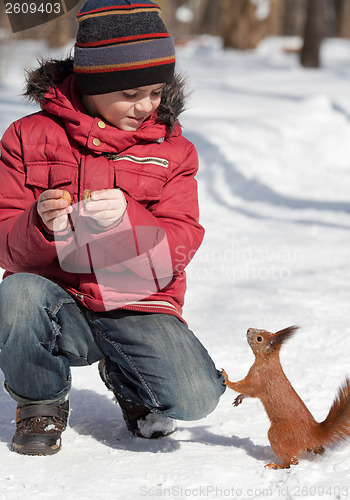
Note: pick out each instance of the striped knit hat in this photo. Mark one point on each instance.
(121, 45)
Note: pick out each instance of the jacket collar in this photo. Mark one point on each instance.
(94, 133)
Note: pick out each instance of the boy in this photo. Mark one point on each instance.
(102, 280)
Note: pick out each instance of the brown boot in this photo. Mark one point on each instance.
(138, 418)
(39, 428)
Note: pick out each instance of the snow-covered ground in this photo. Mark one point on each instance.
(274, 184)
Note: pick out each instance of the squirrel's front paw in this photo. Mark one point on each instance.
(239, 399)
(224, 374)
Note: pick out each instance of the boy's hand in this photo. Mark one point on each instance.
(53, 210)
(106, 206)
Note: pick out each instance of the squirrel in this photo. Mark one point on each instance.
(293, 429)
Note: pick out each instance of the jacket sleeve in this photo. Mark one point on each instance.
(23, 247)
(161, 240)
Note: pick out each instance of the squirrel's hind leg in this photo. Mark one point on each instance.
(274, 466)
(318, 450)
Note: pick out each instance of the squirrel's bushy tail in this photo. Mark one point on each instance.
(336, 427)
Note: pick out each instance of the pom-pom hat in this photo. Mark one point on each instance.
(121, 45)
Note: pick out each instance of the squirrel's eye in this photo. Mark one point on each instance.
(259, 339)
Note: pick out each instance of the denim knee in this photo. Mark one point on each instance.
(21, 297)
(14, 305)
(156, 360)
(20, 292)
(197, 399)
(32, 355)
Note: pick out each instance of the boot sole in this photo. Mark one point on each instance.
(36, 448)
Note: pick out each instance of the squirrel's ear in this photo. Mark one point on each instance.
(286, 333)
(283, 335)
(279, 337)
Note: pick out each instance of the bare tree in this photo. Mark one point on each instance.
(294, 17)
(242, 26)
(206, 17)
(314, 33)
(61, 32)
(274, 21)
(342, 8)
(239, 26)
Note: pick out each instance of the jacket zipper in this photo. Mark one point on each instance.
(135, 159)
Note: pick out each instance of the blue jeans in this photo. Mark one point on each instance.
(153, 359)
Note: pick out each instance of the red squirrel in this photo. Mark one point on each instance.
(293, 429)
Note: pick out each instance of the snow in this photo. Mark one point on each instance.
(274, 184)
(262, 8)
(156, 423)
(184, 14)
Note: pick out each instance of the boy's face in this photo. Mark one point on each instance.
(125, 109)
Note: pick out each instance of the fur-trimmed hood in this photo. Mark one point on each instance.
(52, 73)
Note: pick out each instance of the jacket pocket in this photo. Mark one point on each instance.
(141, 182)
(42, 175)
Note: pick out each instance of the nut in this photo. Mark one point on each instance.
(66, 196)
(86, 196)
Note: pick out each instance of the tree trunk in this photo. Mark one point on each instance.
(294, 17)
(275, 18)
(343, 18)
(206, 17)
(239, 27)
(313, 34)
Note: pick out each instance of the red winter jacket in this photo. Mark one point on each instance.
(139, 262)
